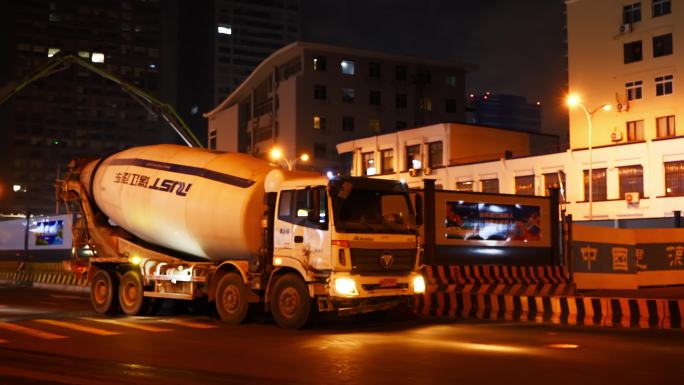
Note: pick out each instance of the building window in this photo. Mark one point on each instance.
(663, 85)
(320, 92)
(374, 98)
(662, 45)
(665, 126)
(489, 185)
(466, 185)
(401, 125)
(524, 185)
(450, 80)
(401, 101)
(635, 131)
(374, 125)
(368, 161)
(374, 70)
(631, 180)
(661, 7)
(347, 123)
(347, 67)
(554, 180)
(435, 154)
(674, 178)
(413, 157)
(348, 95)
(450, 105)
(426, 103)
(632, 51)
(319, 63)
(224, 29)
(631, 13)
(599, 188)
(424, 76)
(52, 52)
(387, 161)
(319, 122)
(320, 150)
(634, 89)
(400, 73)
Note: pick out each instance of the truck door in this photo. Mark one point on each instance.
(300, 235)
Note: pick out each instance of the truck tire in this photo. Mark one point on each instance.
(131, 297)
(231, 298)
(103, 290)
(290, 302)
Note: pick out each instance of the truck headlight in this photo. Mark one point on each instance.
(419, 284)
(345, 286)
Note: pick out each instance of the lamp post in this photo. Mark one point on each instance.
(572, 101)
(277, 155)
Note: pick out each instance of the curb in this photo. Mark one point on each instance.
(568, 310)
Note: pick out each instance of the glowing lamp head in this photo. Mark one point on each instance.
(607, 107)
(136, 260)
(419, 284)
(276, 153)
(304, 157)
(572, 100)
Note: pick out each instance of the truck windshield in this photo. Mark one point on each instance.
(359, 210)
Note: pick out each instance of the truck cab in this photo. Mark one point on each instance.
(353, 240)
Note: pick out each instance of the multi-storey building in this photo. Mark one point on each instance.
(506, 111)
(308, 97)
(622, 54)
(221, 42)
(74, 112)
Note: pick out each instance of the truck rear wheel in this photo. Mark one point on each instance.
(103, 292)
(231, 298)
(131, 293)
(290, 302)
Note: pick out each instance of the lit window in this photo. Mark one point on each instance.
(374, 125)
(225, 29)
(524, 185)
(665, 126)
(52, 52)
(635, 131)
(98, 57)
(466, 185)
(368, 160)
(347, 67)
(319, 122)
(194, 110)
(84, 54)
(674, 178)
(319, 63)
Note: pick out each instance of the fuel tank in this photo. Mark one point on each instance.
(196, 201)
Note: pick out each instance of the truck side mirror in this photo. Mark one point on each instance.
(314, 205)
(419, 209)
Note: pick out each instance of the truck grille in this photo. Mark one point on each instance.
(368, 261)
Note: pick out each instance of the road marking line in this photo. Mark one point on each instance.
(30, 331)
(3, 341)
(81, 328)
(190, 324)
(148, 328)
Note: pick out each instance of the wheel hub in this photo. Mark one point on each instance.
(289, 302)
(231, 299)
(100, 291)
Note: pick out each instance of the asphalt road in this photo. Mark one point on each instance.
(50, 337)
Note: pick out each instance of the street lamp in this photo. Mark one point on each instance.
(277, 155)
(574, 101)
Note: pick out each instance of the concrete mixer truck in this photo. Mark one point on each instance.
(168, 221)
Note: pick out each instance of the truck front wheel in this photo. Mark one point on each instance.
(131, 293)
(103, 292)
(290, 302)
(231, 299)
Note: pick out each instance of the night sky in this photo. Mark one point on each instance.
(518, 44)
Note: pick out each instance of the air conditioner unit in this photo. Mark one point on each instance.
(625, 28)
(632, 198)
(427, 171)
(616, 136)
(413, 172)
